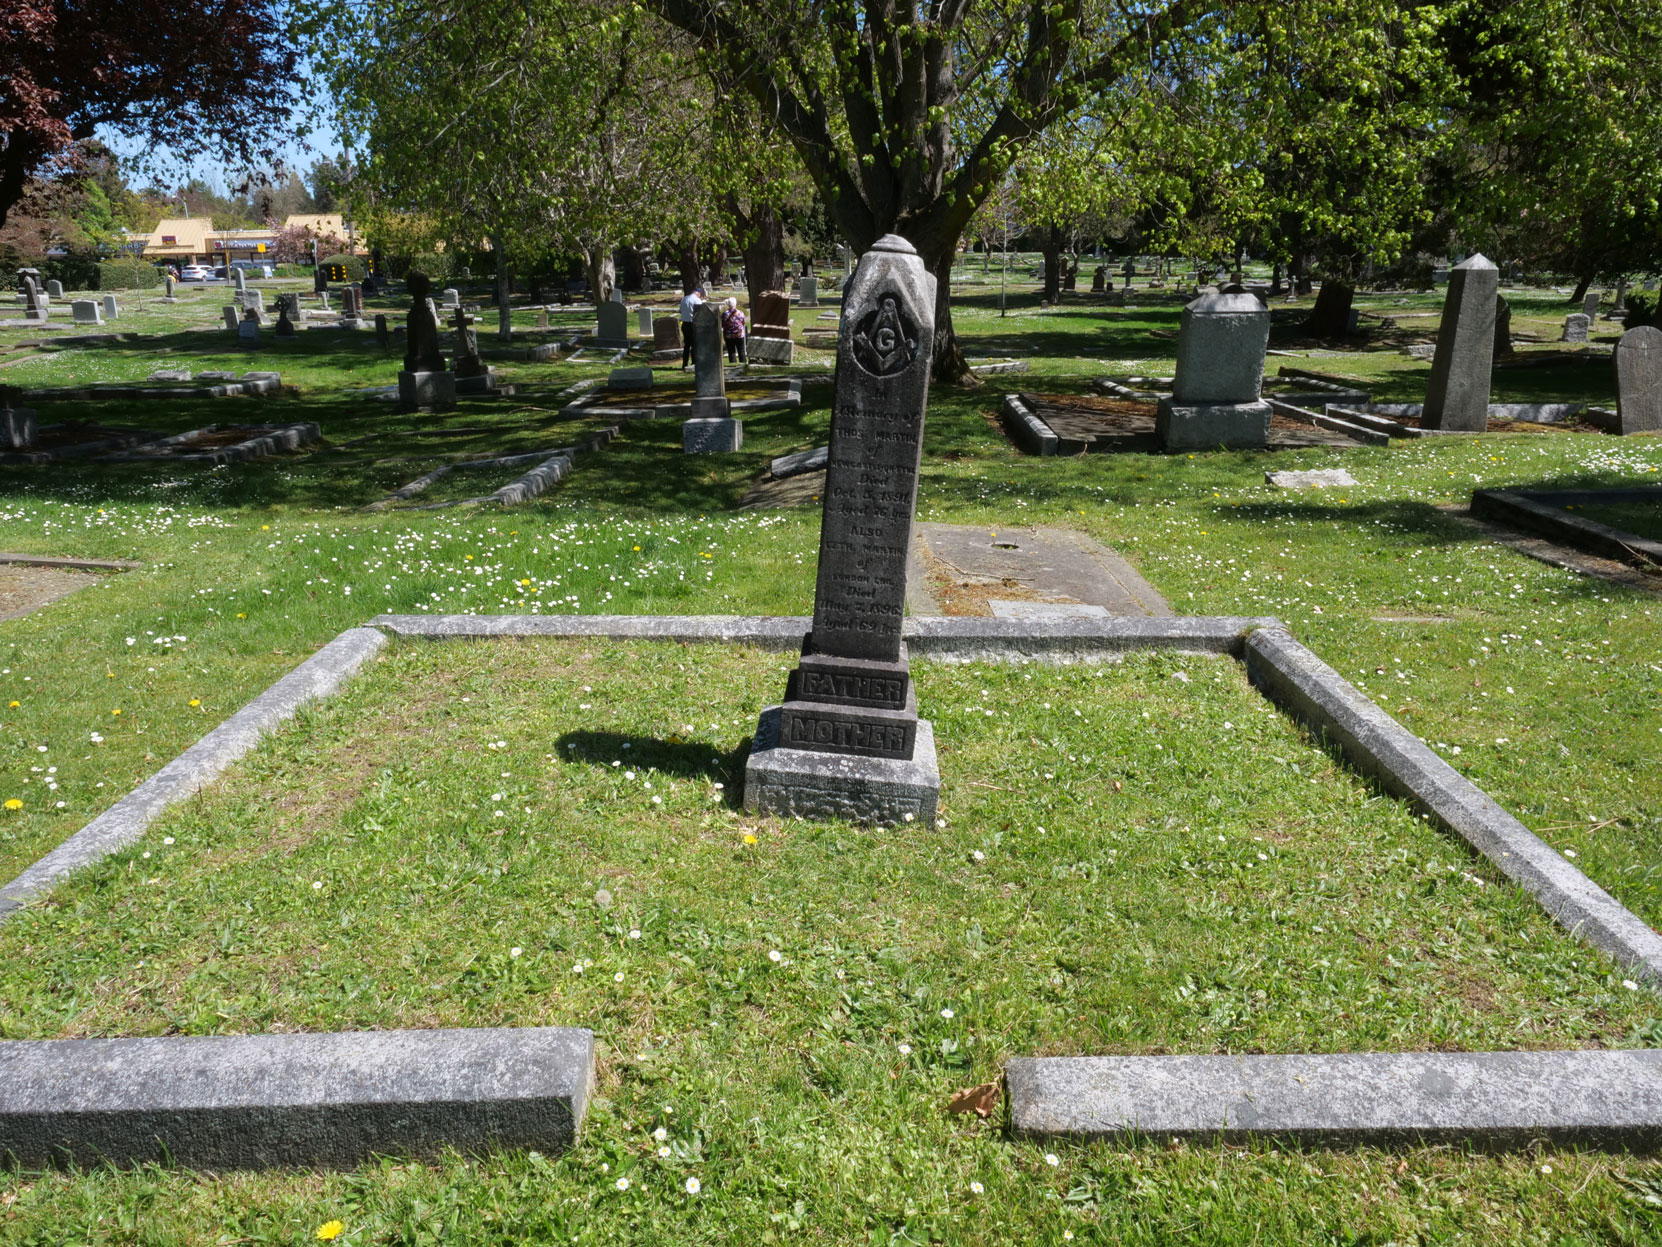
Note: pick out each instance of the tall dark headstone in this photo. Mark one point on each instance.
(425, 384)
(1457, 399)
(848, 741)
(468, 362)
(1639, 380)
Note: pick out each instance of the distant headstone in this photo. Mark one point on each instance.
(1503, 327)
(542, 318)
(639, 378)
(452, 298)
(112, 310)
(352, 307)
(425, 383)
(1639, 380)
(1099, 279)
(86, 312)
(288, 305)
(847, 742)
(709, 374)
(769, 350)
(1217, 391)
(55, 288)
(1576, 327)
(35, 301)
(467, 362)
(612, 324)
(666, 339)
(1590, 305)
(248, 330)
(167, 289)
(383, 333)
(421, 340)
(771, 315)
(807, 291)
(1457, 397)
(616, 296)
(643, 322)
(231, 318)
(240, 276)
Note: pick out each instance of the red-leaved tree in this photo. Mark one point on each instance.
(187, 75)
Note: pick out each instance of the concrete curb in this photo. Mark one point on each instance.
(1026, 430)
(126, 820)
(1491, 1100)
(1405, 766)
(255, 1101)
(1541, 511)
(947, 638)
(71, 564)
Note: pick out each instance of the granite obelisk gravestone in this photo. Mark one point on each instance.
(710, 427)
(1639, 380)
(425, 383)
(848, 743)
(1457, 399)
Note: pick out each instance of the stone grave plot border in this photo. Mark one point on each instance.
(1542, 511)
(1032, 434)
(120, 439)
(1498, 1100)
(553, 465)
(267, 440)
(251, 383)
(786, 393)
(258, 1101)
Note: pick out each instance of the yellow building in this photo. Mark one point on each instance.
(194, 240)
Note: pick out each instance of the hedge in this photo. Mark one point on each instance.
(128, 275)
(354, 265)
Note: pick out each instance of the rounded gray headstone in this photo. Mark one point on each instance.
(1639, 380)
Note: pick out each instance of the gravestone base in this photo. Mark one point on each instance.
(711, 435)
(353, 322)
(426, 391)
(1206, 426)
(805, 783)
(769, 350)
(479, 383)
(709, 407)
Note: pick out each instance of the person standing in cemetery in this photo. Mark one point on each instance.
(689, 309)
(732, 332)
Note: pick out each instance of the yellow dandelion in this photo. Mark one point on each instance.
(265, 528)
(329, 1230)
(115, 712)
(13, 705)
(240, 615)
(196, 701)
(637, 549)
(749, 838)
(524, 581)
(468, 558)
(13, 803)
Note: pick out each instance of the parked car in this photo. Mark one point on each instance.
(254, 268)
(196, 272)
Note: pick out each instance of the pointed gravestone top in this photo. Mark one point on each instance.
(1457, 398)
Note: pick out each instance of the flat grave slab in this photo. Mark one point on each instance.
(78, 440)
(1549, 513)
(24, 590)
(967, 566)
(218, 444)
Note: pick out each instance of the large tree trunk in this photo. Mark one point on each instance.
(634, 269)
(1330, 318)
(764, 250)
(686, 256)
(602, 274)
(718, 264)
(504, 290)
(1052, 252)
(949, 365)
(1581, 288)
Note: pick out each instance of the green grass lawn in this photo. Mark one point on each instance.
(796, 1110)
(513, 834)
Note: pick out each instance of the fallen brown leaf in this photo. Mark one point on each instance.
(982, 1100)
